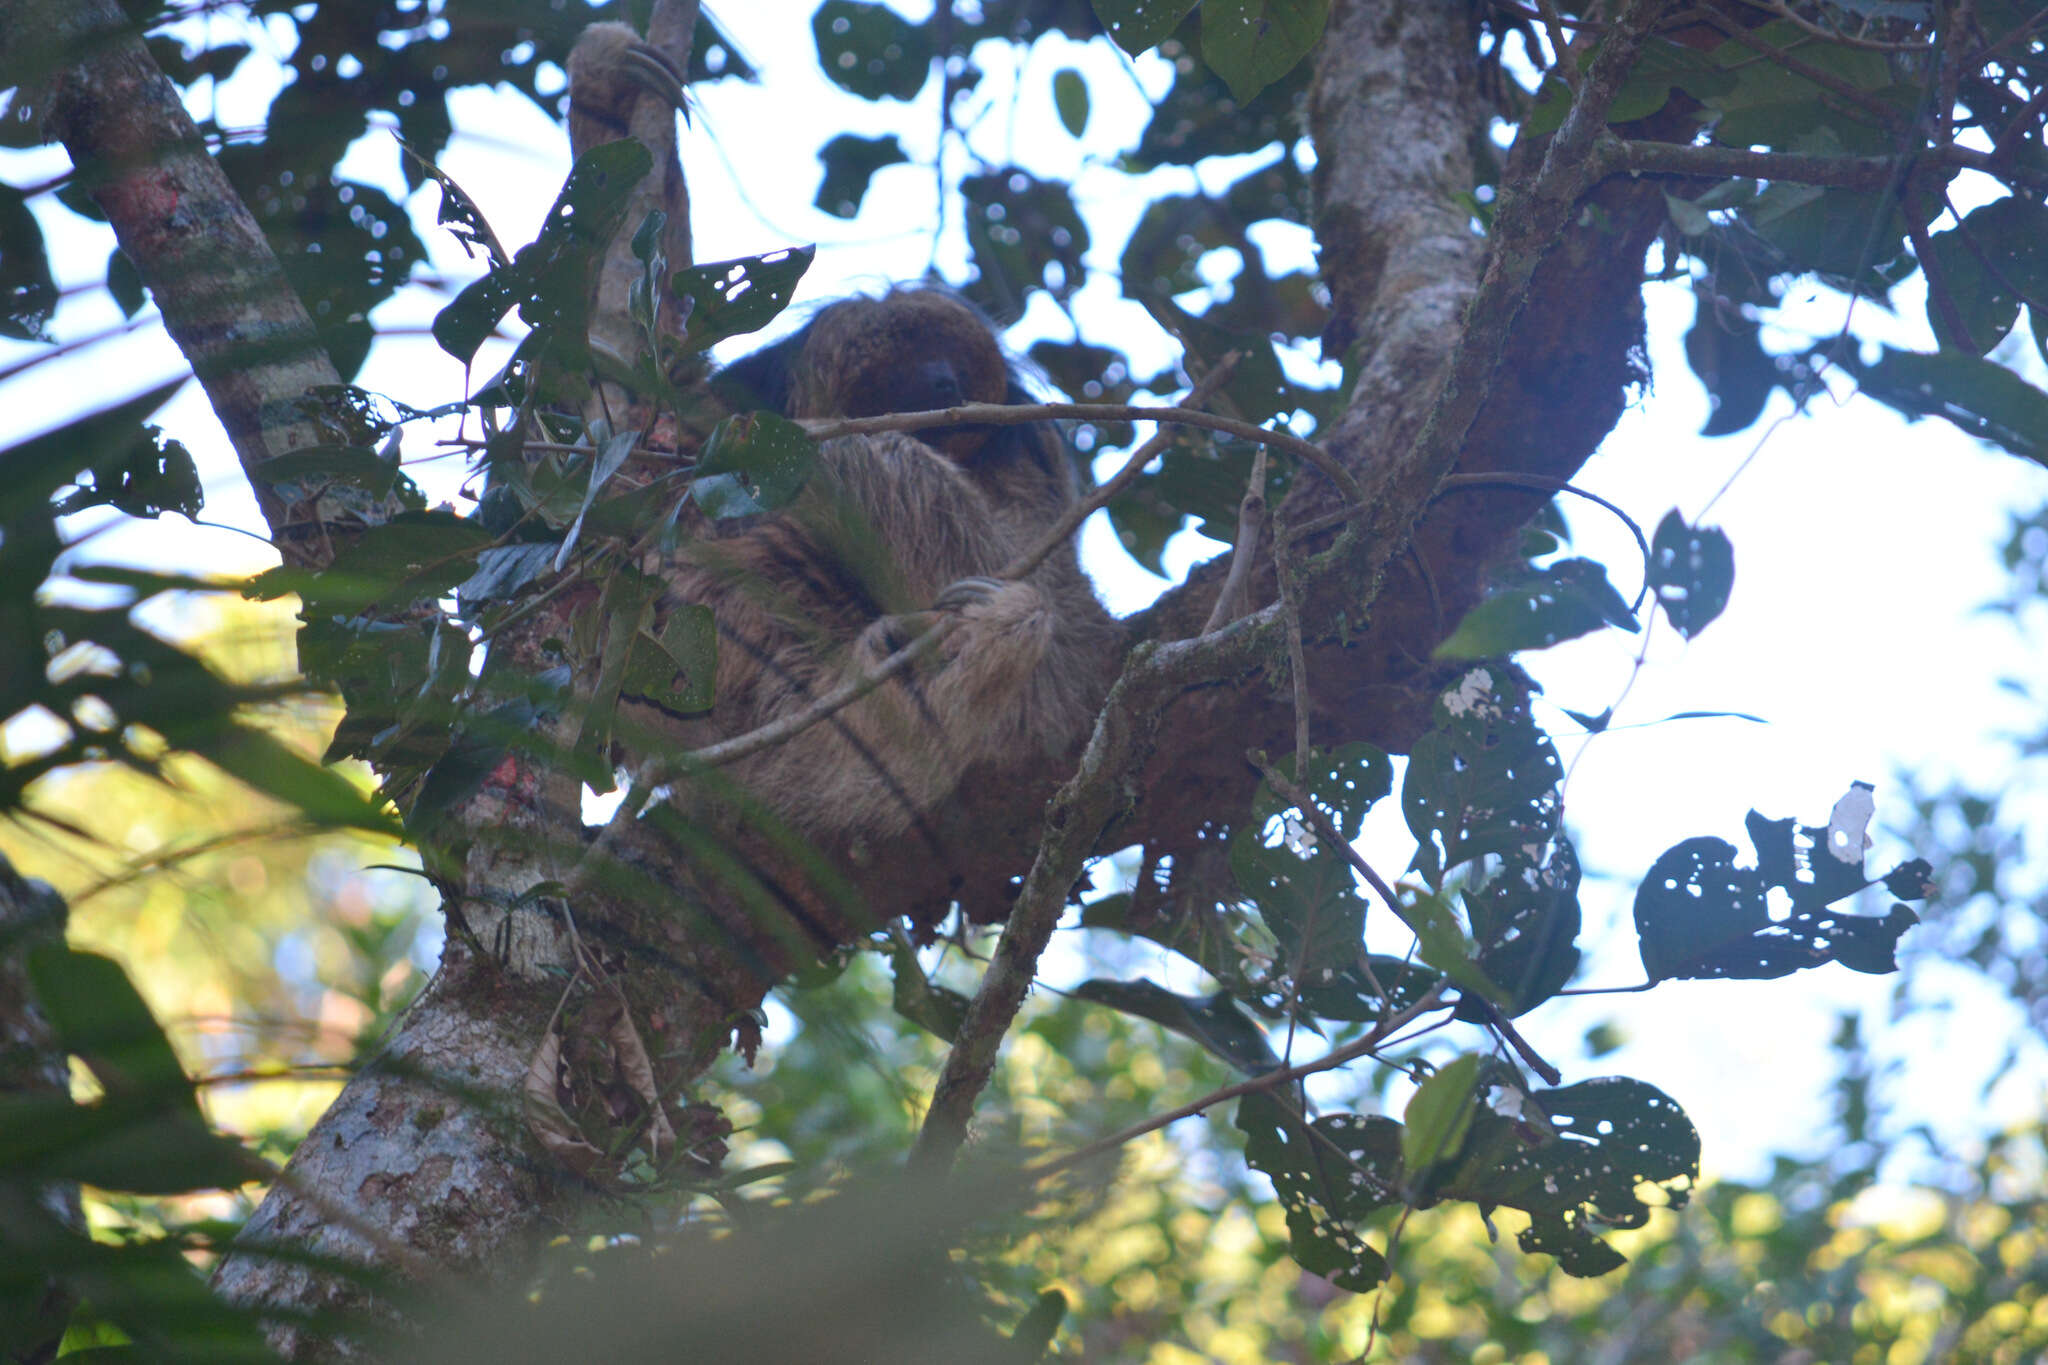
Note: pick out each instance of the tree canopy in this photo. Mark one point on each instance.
(667, 1067)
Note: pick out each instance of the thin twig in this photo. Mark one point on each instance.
(1279, 1076)
(1543, 482)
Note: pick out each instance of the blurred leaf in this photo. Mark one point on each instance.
(1136, 26)
(1216, 1022)
(25, 279)
(850, 163)
(1253, 43)
(1984, 399)
(1559, 602)
(938, 1010)
(870, 50)
(1692, 571)
(1070, 100)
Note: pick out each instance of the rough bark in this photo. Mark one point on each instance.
(222, 293)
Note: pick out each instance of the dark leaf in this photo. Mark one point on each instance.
(1992, 262)
(1525, 923)
(1692, 571)
(1985, 399)
(1483, 779)
(25, 278)
(1216, 1022)
(732, 298)
(1572, 1159)
(1560, 602)
(1331, 1175)
(1699, 915)
(871, 50)
(1137, 26)
(415, 555)
(850, 163)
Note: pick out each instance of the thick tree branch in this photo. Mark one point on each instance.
(223, 295)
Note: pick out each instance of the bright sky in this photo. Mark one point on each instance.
(1862, 547)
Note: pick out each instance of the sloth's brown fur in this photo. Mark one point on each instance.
(890, 529)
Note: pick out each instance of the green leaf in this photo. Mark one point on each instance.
(1137, 26)
(753, 463)
(678, 669)
(1982, 398)
(850, 163)
(415, 555)
(1216, 1022)
(1989, 264)
(1561, 602)
(1692, 571)
(1483, 779)
(733, 298)
(1441, 942)
(1438, 1117)
(1573, 1159)
(1330, 1175)
(871, 50)
(1070, 99)
(1253, 43)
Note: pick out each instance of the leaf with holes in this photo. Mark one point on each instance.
(1692, 571)
(1331, 1175)
(1483, 779)
(1698, 914)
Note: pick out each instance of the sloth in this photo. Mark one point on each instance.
(892, 533)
